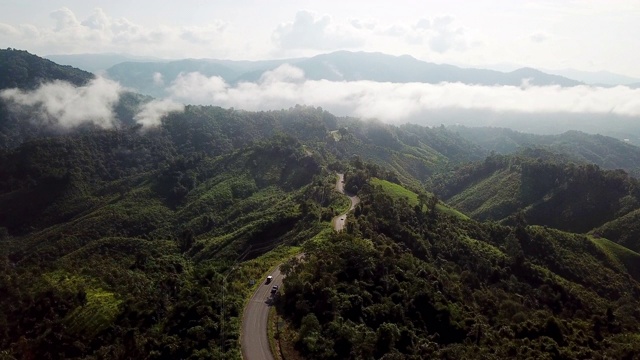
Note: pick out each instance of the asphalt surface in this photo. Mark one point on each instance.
(340, 220)
(254, 340)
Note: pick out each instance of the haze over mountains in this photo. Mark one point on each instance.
(125, 237)
(134, 227)
(394, 89)
(146, 192)
(97, 63)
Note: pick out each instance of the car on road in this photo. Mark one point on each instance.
(269, 278)
(274, 289)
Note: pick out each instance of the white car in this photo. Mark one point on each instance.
(269, 278)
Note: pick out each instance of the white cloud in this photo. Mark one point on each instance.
(310, 31)
(158, 79)
(395, 30)
(439, 33)
(151, 113)
(283, 73)
(446, 36)
(63, 104)
(196, 88)
(539, 37)
(368, 24)
(399, 102)
(101, 33)
(8, 30)
(423, 24)
(65, 20)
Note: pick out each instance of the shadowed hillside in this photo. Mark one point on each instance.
(138, 242)
(541, 187)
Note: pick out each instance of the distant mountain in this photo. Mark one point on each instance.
(21, 69)
(595, 77)
(545, 188)
(96, 63)
(121, 243)
(604, 151)
(25, 71)
(350, 66)
(624, 230)
(337, 66)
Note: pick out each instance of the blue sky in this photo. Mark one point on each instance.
(585, 35)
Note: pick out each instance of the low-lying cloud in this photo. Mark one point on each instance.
(151, 113)
(61, 104)
(399, 102)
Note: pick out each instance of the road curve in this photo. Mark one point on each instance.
(340, 220)
(253, 338)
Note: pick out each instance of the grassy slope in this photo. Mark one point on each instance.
(624, 230)
(492, 197)
(629, 259)
(398, 192)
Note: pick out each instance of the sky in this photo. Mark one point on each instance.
(583, 35)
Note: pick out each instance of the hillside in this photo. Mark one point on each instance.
(337, 66)
(624, 230)
(19, 68)
(96, 63)
(544, 188)
(116, 249)
(604, 151)
(412, 282)
(145, 243)
(21, 71)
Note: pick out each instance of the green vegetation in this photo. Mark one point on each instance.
(606, 152)
(629, 259)
(396, 191)
(544, 189)
(125, 243)
(404, 285)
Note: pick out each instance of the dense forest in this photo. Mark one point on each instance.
(408, 281)
(131, 242)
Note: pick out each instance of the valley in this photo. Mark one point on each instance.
(140, 241)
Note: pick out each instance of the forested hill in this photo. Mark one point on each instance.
(604, 151)
(20, 69)
(24, 71)
(407, 281)
(145, 242)
(542, 187)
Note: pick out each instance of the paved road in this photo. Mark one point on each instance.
(254, 340)
(340, 220)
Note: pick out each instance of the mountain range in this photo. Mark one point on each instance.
(339, 69)
(337, 66)
(138, 74)
(136, 241)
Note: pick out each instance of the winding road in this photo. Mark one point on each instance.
(253, 338)
(340, 220)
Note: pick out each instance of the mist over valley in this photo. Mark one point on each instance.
(213, 180)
